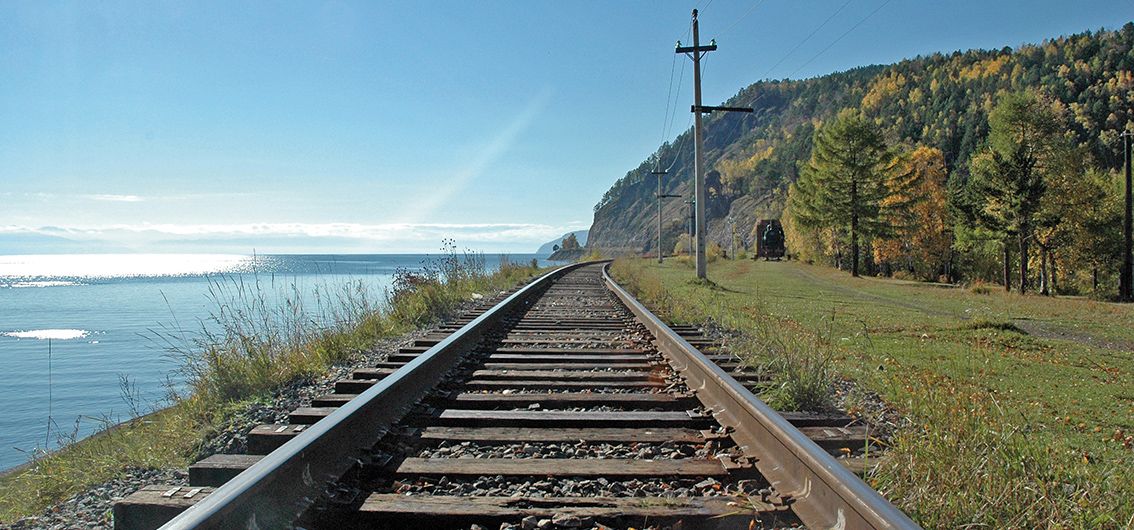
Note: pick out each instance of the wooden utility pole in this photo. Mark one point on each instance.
(659, 174)
(689, 224)
(661, 251)
(732, 236)
(695, 52)
(1126, 280)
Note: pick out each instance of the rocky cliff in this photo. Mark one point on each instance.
(625, 220)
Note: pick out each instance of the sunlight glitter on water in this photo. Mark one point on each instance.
(45, 334)
(119, 265)
(47, 283)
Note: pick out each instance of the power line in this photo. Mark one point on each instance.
(688, 124)
(668, 95)
(742, 17)
(671, 109)
(813, 33)
(676, 97)
(847, 32)
(807, 38)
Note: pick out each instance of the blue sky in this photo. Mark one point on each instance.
(384, 127)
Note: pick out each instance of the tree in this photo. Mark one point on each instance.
(570, 242)
(1010, 174)
(982, 246)
(1073, 197)
(1095, 242)
(854, 181)
(923, 238)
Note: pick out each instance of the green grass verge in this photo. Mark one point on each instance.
(258, 343)
(1022, 406)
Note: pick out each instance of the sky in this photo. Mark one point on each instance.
(381, 127)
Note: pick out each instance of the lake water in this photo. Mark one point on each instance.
(71, 327)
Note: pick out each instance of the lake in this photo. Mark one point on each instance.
(72, 327)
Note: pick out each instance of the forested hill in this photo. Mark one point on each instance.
(940, 101)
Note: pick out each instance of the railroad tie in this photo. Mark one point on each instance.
(568, 408)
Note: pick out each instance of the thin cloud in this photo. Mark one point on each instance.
(392, 235)
(115, 198)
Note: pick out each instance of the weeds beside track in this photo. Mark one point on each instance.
(1007, 429)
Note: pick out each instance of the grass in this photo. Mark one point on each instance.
(1021, 407)
(257, 339)
(799, 365)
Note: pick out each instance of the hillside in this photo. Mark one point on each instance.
(940, 100)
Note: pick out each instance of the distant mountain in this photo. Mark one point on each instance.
(547, 248)
(35, 243)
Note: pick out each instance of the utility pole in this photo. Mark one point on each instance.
(1125, 287)
(689, 224)
(732, 236)
(661, 251)
(695, 52)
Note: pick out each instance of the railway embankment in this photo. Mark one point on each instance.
(993, 423)
(562, 404)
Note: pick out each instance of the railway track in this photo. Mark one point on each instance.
(562, 404)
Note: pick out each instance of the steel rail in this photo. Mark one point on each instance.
(823, 493)
(273, 492)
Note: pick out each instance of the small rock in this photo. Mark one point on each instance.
(530, 522)
(566, 520)
(707, 483)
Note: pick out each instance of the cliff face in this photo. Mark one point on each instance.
(625, 220)
(631, 227)
(939, 100)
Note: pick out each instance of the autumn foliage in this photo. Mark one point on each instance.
(922, 240)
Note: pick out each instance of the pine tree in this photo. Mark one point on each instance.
(1010, 176)
(846, 184)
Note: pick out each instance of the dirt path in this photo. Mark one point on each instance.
(1037, 329)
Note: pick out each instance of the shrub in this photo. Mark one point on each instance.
(980, 287)
(593, 254)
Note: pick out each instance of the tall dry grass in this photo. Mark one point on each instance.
(799, 365)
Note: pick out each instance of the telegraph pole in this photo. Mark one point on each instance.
(661, 196)
(1125, 287)
(659, 174)
(689, 224)
(732, 236)
(695, 52)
